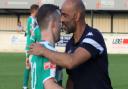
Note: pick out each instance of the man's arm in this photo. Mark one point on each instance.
(51, 84)
(69, 83)
(68, 61)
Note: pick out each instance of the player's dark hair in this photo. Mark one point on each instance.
(45, 12)
(33, 8)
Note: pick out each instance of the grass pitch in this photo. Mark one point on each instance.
(12, 67)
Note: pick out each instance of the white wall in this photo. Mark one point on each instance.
(15, 42)
(12, 42)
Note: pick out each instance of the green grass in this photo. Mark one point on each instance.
(118, 66)
(11, 70)
(12, 67)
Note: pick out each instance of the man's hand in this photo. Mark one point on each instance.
(36, 49)
(51, 84)
(27, 63)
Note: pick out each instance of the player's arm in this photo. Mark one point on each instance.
(51, 84)
(69, 83)
(68, 61)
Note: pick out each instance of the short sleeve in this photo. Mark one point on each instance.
(93, 45)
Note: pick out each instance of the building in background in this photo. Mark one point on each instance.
(109, 16)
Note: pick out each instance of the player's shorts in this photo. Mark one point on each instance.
(59, 75)
(41, 71)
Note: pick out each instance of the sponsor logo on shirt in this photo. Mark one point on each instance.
(90, 34)
(49, 65)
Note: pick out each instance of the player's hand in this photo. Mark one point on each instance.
(27, 63)
(36, 49)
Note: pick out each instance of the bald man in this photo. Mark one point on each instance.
(86, 57)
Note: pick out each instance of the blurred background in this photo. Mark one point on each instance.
(108, 16)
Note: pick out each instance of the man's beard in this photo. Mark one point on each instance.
(70, 28)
